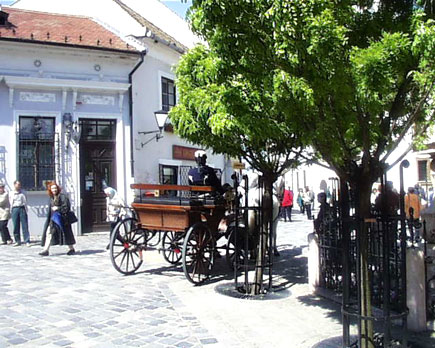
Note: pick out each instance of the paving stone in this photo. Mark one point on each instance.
(83, 302)
(92, 334)
(63, 343)
(17, 340)
(184, 345)
(208, 340)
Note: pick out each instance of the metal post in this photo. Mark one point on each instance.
(403, 164)
(235, 235)
(345, 233)
(271, 238)
(246, 219)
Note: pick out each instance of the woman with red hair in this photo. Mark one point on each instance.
(57, 229)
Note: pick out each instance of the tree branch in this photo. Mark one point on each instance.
(408, 124)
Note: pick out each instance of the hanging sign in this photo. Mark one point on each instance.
(183, 152)
(238, 165)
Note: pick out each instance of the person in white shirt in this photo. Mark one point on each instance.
(5, 214)
(114, 204)
(19, 214)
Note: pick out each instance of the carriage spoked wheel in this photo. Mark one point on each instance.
(198, 253)
(172, 244)
(230, 253)
(126, 247)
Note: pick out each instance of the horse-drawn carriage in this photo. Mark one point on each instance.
(188, 221)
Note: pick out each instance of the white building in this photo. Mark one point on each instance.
(165, 37)
(420, 171)
(55, 71)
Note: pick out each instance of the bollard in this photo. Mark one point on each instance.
(416, 289)
(313, 263)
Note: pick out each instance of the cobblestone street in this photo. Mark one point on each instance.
(81, 301)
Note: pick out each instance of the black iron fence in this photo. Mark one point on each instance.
(385, 258)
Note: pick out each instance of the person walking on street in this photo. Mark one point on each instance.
(114, 204)
(387, 201)
(300, 201)
(324, 212)
(287, 204)
(57, 228)
(413, 207)
(5, 214)
(308, 198)
(18, 202)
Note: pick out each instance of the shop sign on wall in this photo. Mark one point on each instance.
(183, 153)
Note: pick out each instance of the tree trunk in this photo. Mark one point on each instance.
(265, 230)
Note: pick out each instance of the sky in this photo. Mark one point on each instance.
(175, 5)
(178, 7)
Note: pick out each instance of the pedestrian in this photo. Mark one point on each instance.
(373, 196)
(5, 213)
(308, 199)
(287, 204)
(18, 202)
(57, 228)
(323, 215)
(114, 204)
(280, 188)
(413, 208)
(387, 201)
(300, 201)
(430, 196)
(419, 191)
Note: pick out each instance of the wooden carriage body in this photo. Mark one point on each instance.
(177, 213)
(185, 219)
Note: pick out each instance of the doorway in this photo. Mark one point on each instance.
(97, 171)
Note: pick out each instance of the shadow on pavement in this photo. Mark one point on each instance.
(290, 268)
(90, 251)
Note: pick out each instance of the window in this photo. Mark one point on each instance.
(422, 170)
(36, 155)
(168, 94)
(168, 175)
(98, 129)
(4, 19)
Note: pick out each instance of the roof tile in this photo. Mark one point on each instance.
(59, 28)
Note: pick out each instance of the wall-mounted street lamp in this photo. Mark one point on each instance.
(161, 117)
(71, 129)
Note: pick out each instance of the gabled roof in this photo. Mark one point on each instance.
(151, 29)
(132, 18)
(42, 27)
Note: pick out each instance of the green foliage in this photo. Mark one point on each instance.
(349, 77)
(226, 112)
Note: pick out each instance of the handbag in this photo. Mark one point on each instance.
(72, 218)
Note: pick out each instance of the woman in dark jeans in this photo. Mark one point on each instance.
(57, 229)
(5, 213)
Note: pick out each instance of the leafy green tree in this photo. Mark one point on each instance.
(352, 77)
(221, 110)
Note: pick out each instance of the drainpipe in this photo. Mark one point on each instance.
(130, 93)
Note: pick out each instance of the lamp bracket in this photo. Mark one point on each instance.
(149, 132)
(157, 137)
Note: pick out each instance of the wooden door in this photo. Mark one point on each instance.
(97, 170)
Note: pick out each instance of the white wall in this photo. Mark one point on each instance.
(60, 66)
(147, 100)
